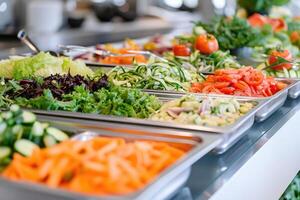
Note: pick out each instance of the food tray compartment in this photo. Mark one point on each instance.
(164, 185)
(294, 91)
(268, 106)
(230, 133)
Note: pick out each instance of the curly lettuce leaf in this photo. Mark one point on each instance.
(42, 64)
(76, 67)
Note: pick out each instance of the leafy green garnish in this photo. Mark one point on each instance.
(231, 33)
(43, 65)
(107, 101)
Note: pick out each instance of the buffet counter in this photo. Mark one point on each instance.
(243, 172)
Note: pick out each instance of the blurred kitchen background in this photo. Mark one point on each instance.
(88, 22)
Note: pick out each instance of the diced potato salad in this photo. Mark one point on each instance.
(206, 112)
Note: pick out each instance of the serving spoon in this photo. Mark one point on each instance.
(23, 37)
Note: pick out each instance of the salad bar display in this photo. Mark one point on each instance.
(146, 114)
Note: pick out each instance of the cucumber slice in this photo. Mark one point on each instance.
(15, 109)
(45, 125)
(7, 115)
(17, 130)
(298, 73)
(11, 122)
(28, 117)
(286, 73)
(37, 129)
(25, 147)
(293, 73)
(5, 152)
(281, 75)
(57, 134)
(3, 127)
(49, 141)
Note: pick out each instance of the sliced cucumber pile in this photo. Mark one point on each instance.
(20, 132)
(291, 73)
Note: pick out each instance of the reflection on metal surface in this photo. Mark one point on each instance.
(207, 175)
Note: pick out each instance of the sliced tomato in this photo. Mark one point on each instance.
(227, 90)
(210, 78)
(219, 85)
(195, 89)
(254, 78)
(198, 85)
(210, 89)
(281, 85)
(226, 71)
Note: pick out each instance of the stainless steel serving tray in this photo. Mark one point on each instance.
(230, 134)
(267, 108)
(294, 91)
(162, 187)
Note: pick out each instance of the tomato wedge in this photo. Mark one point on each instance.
(227, 90)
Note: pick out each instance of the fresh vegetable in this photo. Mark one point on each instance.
(123, 59)
(292, 192)
(42, 64)
(206, 63)
(280, 59)
(181, 50)
(206, 112)
(157, 76)
(258, 21)
(158, 44)
(246, 81)
(206, 44)
(59, 85)
(261, 6)
(291, 73)
(108, 101)
(231, 33)
(100, 166)
(122, 56)
(20, 132)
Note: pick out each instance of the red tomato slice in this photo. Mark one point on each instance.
(243, 86)
(197, 85)
(210, 89)
(219, 85)
(227, 90)
(255, 78)
(281, 85)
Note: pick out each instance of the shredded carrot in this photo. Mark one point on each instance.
(100, 166)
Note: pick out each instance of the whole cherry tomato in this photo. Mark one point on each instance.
(275, 58)
(257, 20)
(206, 44)
(181, 50)
(295, 36)
(278, 24)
